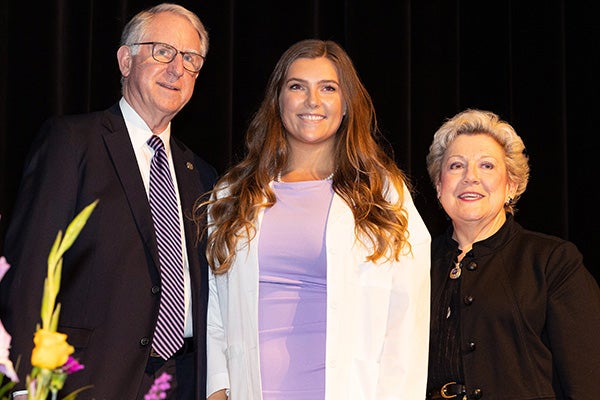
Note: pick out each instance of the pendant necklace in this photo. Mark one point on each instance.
(456, 271)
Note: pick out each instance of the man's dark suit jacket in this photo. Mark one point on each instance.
(110, 281)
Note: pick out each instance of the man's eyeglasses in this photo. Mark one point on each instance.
(165, 53)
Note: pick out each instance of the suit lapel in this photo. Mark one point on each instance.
(188, 178)
(190, 188)
(121, 152)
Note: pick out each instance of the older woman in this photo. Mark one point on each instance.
(321, 261)
(515, 313)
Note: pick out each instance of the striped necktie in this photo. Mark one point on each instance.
(168, 335)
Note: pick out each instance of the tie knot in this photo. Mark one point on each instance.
(156, 143)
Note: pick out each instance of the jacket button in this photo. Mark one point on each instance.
(468, 300)
(472, 266)
(471, 346)
(477, 394)
(155, 289)
(144, 341)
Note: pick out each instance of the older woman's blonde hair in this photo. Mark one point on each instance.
(472, 122)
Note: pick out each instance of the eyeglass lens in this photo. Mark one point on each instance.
(165, 53)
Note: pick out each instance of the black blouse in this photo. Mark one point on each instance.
(445, 361)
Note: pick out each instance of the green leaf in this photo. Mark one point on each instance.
(75, 227)
(53, 325)
(53, 256)
(73, 394)
(52, 283)
(4, 389)
(47, 305)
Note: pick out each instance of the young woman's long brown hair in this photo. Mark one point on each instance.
(363, 170)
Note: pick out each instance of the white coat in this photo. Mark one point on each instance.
(377, 317)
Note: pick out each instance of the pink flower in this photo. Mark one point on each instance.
(159, 388)
(71, 366)
(4, 266)
(6, 366)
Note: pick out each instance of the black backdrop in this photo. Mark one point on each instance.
(533, 62)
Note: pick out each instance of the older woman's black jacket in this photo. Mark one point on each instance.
(530, 316)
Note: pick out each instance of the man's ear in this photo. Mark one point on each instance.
(125, 59)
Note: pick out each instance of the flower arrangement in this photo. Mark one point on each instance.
(51, 357)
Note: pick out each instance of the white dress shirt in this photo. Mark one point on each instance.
(139, 133)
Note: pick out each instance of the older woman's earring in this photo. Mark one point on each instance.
(509, 201)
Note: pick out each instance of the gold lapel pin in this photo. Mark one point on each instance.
(189, 166)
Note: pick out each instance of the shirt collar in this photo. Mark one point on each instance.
(139, 132)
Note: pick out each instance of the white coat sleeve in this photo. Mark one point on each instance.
(217, 372)
(403, 373)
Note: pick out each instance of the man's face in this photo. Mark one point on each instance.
(157, 90)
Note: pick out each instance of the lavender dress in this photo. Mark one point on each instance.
(293, 291)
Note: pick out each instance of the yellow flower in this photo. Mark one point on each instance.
(51, 349)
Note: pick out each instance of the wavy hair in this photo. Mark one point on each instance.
(364, 170)
(473, 122)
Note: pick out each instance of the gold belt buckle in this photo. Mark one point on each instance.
(443, 391)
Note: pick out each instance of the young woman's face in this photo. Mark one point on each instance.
(311, 102)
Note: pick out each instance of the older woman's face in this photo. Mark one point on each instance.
(474, 183)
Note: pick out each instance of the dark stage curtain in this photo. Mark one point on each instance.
(536, 63)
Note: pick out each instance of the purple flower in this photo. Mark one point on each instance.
(71, 366)
(159, 388)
